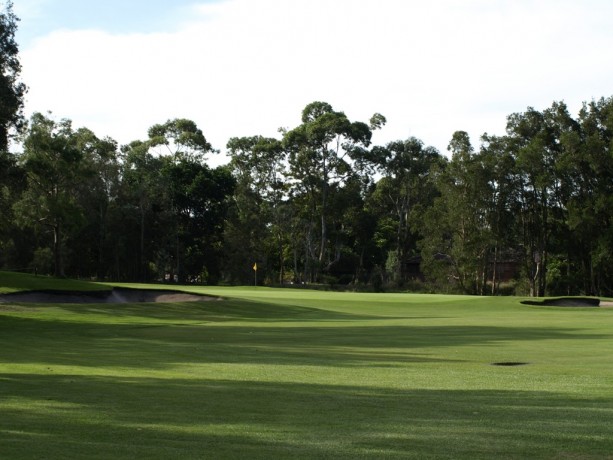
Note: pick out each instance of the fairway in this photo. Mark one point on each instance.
(284, 373)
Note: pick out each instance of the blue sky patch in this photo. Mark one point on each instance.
(40, 17)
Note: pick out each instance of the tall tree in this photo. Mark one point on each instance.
(253, 231)
(533, 139)
(54, 166)
(12, 90)
(96, 194)
(199, 197)
(502, 204)
(12, 184)
(586, 164)
(458, 234)
(185, 174)
(143, 209)
(406, 189)
(320, 153)
(181, 138)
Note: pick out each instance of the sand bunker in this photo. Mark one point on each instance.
(117, 295)
(565, 302)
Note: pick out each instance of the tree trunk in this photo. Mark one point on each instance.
(400, 248)
(101, 237)
(324, 199)
(281, 260)
(535, 281)
(324, 237)
(58, 269)
(296, 272)
(180, 262)
(495, 270)
(141, 250)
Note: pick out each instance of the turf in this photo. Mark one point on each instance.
(271, 373)
(15, 282)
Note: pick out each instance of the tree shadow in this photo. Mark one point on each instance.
(104, 417)
(218, 311)
(164, 345)
(55, 413)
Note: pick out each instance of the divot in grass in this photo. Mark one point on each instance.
(510, 363)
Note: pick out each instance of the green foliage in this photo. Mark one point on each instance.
(401, 197)
(182, 138)
(529, 210)
(55, 168)
(42, 261)
(458, 237)
(12, 90)
(321, 152)
(12, 183)
(254, 230)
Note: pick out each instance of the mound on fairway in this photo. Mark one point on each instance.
(565, 302)
(117, 295)
(11, 282)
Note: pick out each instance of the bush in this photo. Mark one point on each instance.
(42, 262)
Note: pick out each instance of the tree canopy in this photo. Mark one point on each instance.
(12, 90)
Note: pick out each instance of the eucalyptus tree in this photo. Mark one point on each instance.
(563, 248)
(351, 231)
(254, 231)
(321, 150)
(142, 214)
(458, 234)
(12, 90)
(95, 195)
(197, 196)
(502, 204)
(534, 141)
(14, 242)
(360, 228)
(180, 138)
(405, 190)
(55, 168)
(596, 119)
(587, 165)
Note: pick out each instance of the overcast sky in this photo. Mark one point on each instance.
(247, 67)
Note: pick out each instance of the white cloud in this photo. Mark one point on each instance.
(245, 67)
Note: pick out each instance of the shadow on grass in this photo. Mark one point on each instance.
(216, 311)
(46, 414)
(96, 417)
(164, 345)
(13, 281)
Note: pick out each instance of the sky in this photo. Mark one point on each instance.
(249, 67)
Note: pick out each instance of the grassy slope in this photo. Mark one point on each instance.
(301, 374)
(15, 282)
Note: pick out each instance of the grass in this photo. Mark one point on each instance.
(15, 282)
(271, 373)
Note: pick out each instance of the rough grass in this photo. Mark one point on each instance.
(273, 373)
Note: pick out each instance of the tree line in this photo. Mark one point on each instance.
(527, 212)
